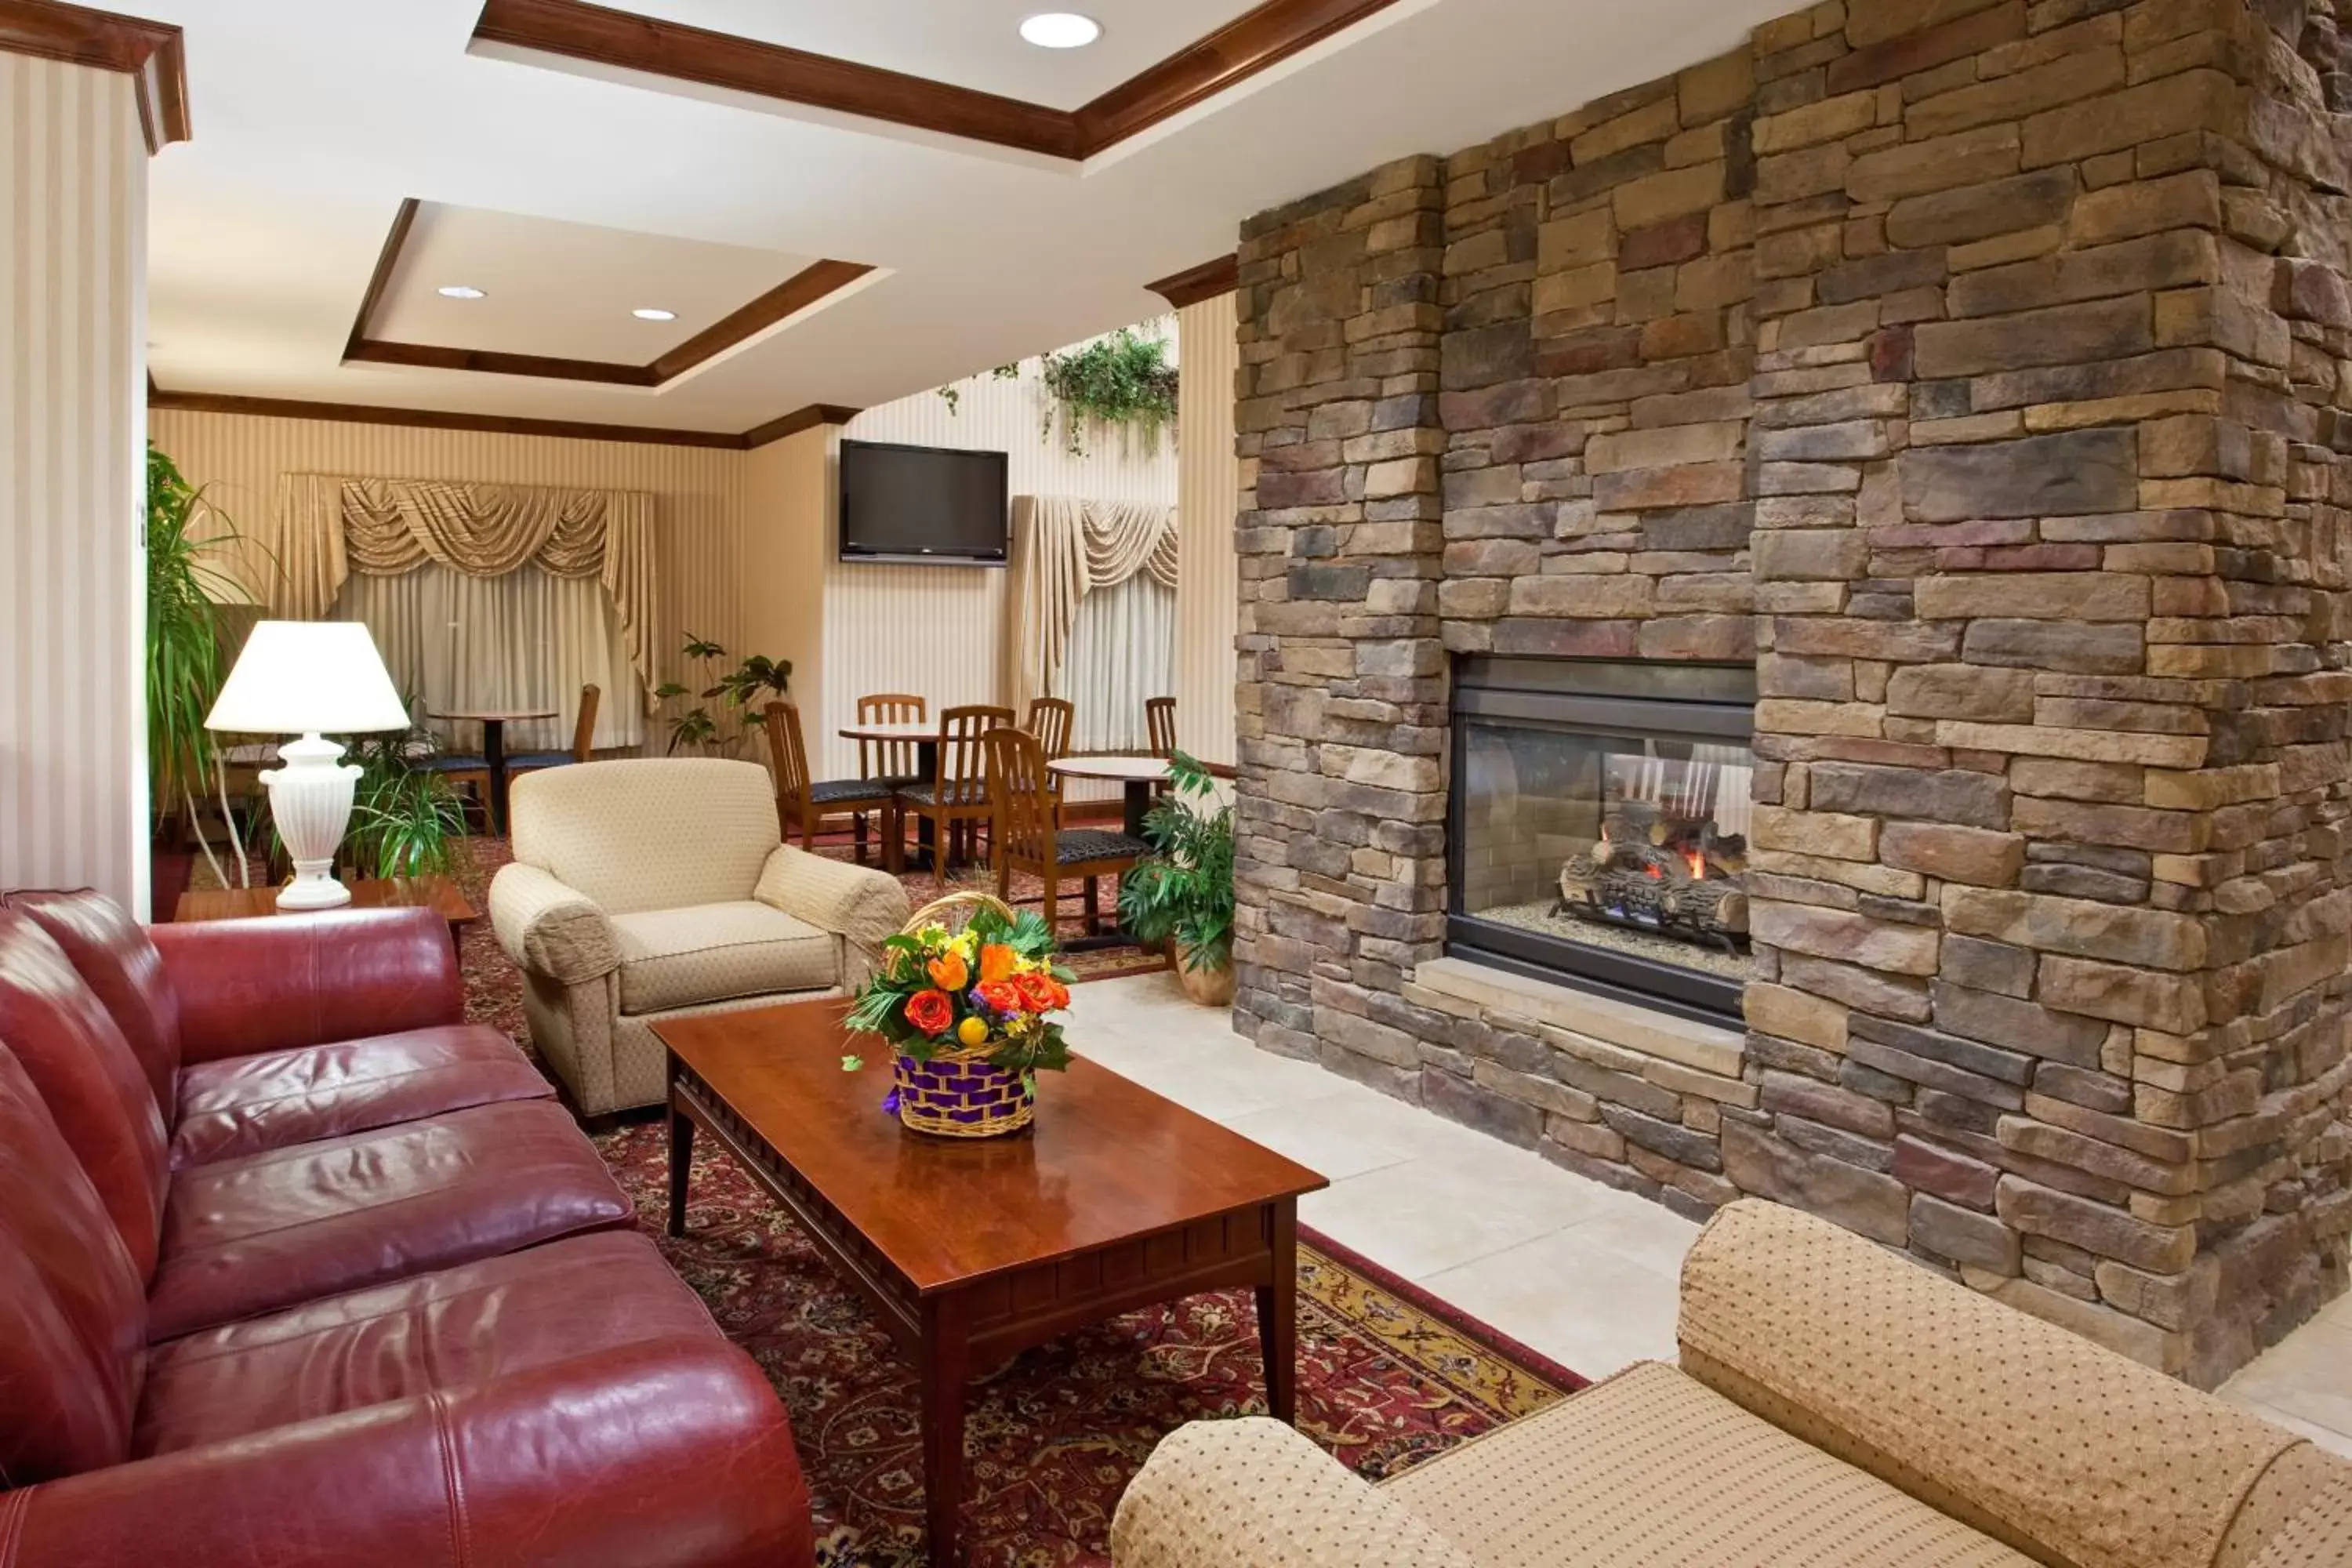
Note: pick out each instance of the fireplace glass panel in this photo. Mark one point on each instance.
(1636, 844)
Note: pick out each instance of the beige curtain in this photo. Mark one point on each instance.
(1065, 548)
(330, 526)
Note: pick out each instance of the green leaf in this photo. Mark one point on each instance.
(853, 1064)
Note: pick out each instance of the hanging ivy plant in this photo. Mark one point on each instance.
(1124, 379)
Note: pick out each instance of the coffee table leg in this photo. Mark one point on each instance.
(1277, 1316)
(945, 1367)
(681, 1160)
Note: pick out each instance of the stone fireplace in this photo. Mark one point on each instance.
(1969, 375)
(1600, 823)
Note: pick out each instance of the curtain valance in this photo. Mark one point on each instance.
(1064, 548)
(330, 526)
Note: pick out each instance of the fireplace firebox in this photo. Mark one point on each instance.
(1598, 827)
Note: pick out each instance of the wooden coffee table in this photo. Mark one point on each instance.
(971, 1249)
(438, 894)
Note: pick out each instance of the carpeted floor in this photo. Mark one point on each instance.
(1386, 1376)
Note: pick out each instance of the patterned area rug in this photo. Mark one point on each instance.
(1387, 1375)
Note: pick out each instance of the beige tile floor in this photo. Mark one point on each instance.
(1578, 1271)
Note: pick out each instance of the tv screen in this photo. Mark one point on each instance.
(927, 504)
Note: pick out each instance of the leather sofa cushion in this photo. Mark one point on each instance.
(116, 960)
(273, 985)
(89, 1077)
(247, 1105)
(714, 952)
(583, 1295)
(242, 1237)
(1654, 1469)
(73, 1326)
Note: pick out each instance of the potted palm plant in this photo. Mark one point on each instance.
(187, 662)
(1184, 893)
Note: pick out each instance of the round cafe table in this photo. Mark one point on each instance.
(1139, 774)
(494, 723)
(926, 738)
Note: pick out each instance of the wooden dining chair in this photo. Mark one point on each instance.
(892, 760)
(808, 808)
(1160, 725)
(1051, 719)
(954, 800)
(1026, 837)
(583, 740)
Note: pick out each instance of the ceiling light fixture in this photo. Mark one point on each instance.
(459, 292)
(651, 313)
(1061, 30)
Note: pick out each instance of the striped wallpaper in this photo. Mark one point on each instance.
(699, 492)
(73, 246)
(1208, 589)
(941, 631)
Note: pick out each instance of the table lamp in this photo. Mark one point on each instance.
(302, 677)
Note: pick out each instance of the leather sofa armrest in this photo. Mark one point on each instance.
(859, 905)
(673, 1453)
(550, 929)
(1253, 1491)
(289, 981)
(1917, 1379)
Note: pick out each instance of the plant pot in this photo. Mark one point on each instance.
(169, 869)
(962, 1094)
(1210, 986)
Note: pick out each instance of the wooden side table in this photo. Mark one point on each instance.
(436, 893)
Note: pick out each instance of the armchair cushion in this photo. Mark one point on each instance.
(1215, 1494)
(549, 929)
(648, 833)
(716, 953)
(1652, 1468)
(259, 1235)
(859, 905)
(245, 1105)
(2060, 1446)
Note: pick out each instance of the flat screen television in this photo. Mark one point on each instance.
(930, 505)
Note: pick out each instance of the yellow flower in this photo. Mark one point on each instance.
(973, 1031)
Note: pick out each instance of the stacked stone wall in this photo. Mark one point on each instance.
(1977, 368)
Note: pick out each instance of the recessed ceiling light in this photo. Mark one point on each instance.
(1061, 30)
(458, 291)
(649, 313)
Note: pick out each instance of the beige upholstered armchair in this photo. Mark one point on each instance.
(1836, 1406)
(649, 890)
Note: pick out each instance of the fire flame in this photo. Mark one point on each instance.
(1698, 865)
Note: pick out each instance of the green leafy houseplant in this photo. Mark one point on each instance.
(403, 816)
(186, 663)
(1184, 892)
(745, 688)
(1124, 379)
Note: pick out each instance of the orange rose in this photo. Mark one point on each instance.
(995, 961)
(948, 972)
(1038, 990)
(1001, 995)
(930, 1011)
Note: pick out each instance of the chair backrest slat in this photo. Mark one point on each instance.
(790, 757)
(1051, 719)
(1160, 723)
(584, 732)
(890, 759)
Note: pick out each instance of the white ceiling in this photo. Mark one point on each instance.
(563, 289)
(315, 118)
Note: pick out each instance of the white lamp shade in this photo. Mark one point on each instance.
(301, 678)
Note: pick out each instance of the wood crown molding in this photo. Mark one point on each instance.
(798, 292)
(806, 418)
(152, 54)
(1263, 37)
(1205, 281)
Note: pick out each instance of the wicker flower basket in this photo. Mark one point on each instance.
(961, 1093)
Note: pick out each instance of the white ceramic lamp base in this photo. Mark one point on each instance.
(311, 797)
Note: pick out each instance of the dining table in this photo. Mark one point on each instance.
(494, 723)
(1139, 776)
(924, 737)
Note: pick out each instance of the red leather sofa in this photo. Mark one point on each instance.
(297, 1266)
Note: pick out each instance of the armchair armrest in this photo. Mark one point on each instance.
(1255, 1492)
(859, 905)
(291, 981)
(550, 929)
(1869, 1355)
(671, 1453)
